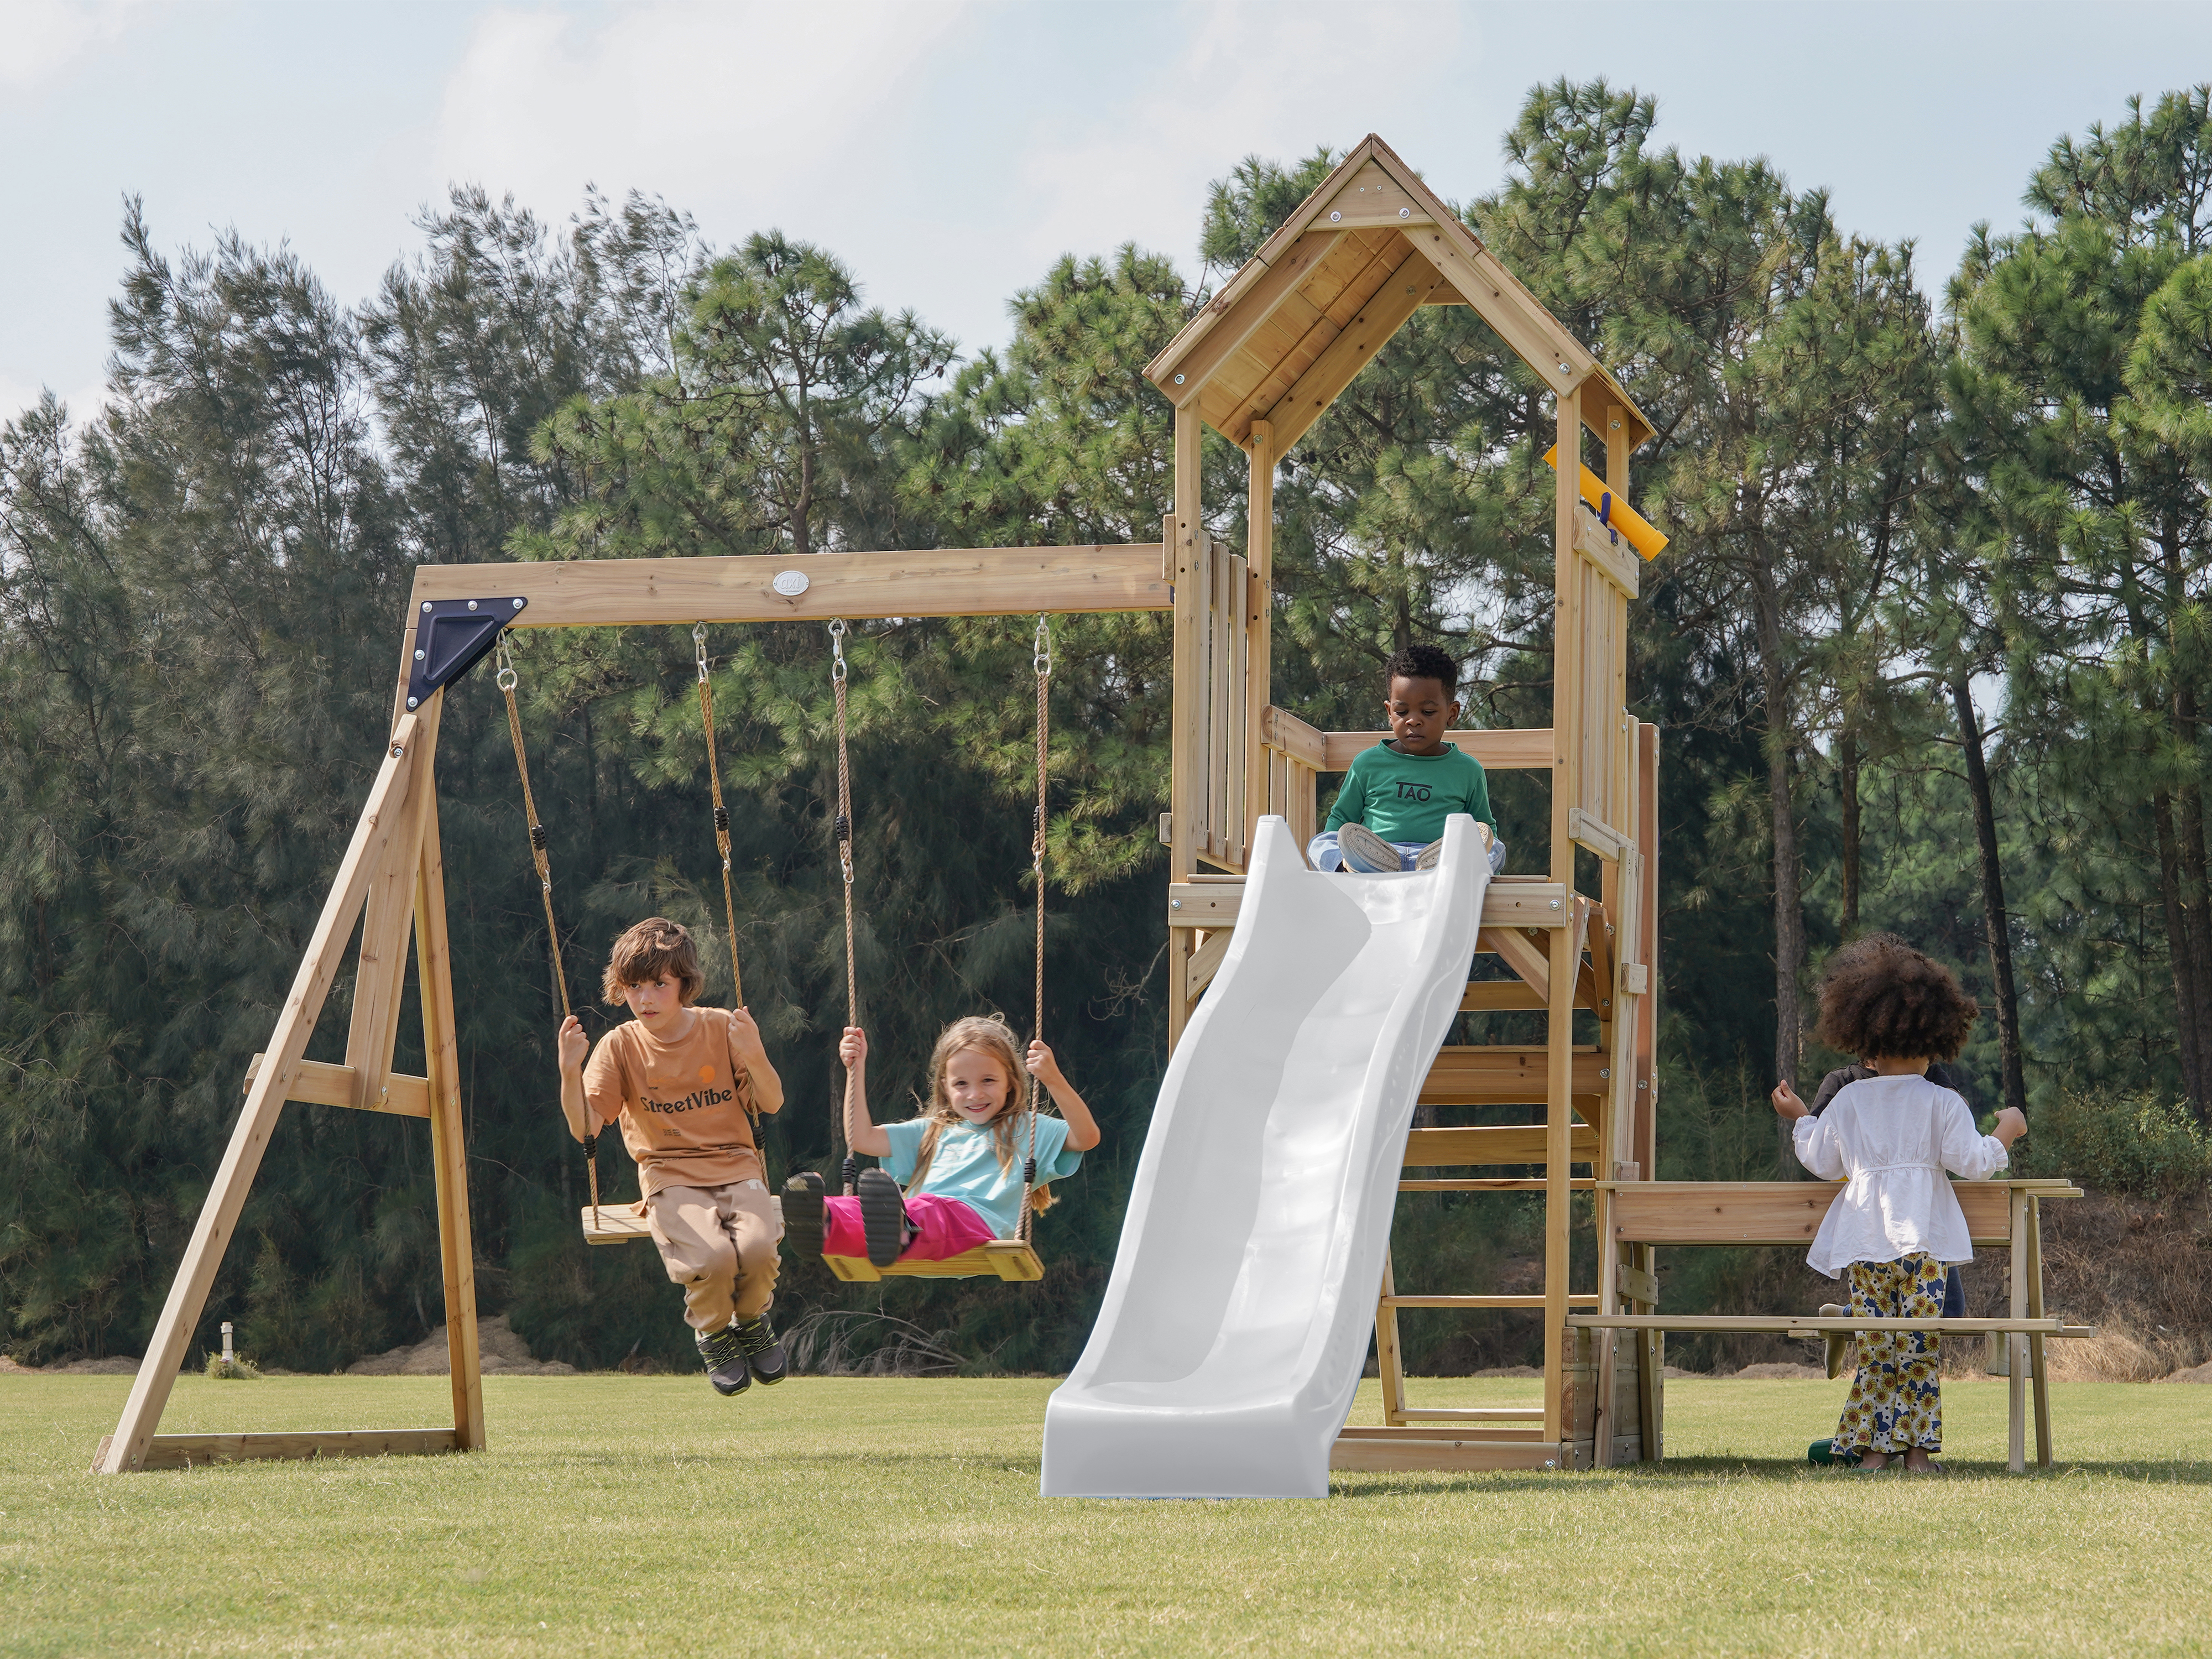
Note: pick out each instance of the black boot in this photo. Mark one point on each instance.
(724, 1355)
(764, 1349)
(802, 1212)
(883, 1217)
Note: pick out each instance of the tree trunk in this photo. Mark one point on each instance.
(1847, 773)
(2180, 957)
(1789, 909)
(1993, 903)
(2196, 899)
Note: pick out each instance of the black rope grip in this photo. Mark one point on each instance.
(1029, 1172)
(591, 1146)
(844, 828)
(538, 837)
(851, 1173)
(722, 819)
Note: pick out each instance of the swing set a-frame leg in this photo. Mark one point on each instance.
(393, 869)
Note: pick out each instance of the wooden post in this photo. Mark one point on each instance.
(1390, 1361)
(1560, 1028)
(1183, 551)
(434, 970)
(2037, 1375)
(2016, 1344)
(387, 920)
(382, 821)
(1259, 647)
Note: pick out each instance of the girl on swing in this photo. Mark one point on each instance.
(960, 1159)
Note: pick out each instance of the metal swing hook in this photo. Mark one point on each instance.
(1042, 660)
(506, 679)
(699, 646)
(837, 646)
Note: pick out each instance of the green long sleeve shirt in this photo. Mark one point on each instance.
(1407, 798)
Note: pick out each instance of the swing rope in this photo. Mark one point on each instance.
(508, 679)
(722, 813)
(1041, 659)
(843, 828)
(721, 836)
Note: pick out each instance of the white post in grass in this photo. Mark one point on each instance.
(226, 1342)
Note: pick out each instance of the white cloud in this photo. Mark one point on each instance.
(39, 38)
(690, 98)
(1270, 79)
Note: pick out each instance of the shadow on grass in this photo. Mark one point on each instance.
(1688, 1472)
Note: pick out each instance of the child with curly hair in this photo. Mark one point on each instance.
(1892, 1230)
(961, 1158)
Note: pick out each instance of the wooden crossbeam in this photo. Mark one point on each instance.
(1779, 1212)
(1813, 1325)
(317, 1083)
(949, 581)
(1504, 1142)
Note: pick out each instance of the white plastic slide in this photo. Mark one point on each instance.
(1235, 1323)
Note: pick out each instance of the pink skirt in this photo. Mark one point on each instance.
(949, 1228)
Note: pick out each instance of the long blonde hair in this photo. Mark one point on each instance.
(993, 1037)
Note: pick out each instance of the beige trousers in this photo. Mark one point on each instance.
(720, 1244)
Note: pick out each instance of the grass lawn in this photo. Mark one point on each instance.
(618, 1514)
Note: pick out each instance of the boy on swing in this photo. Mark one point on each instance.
(1390, 813)
(685, 1082)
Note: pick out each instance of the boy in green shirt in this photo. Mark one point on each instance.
(1390, 813)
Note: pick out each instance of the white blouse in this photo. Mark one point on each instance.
(1893, 1137)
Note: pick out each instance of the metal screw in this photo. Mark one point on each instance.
(1605, 1071)
(418, 656)
(1555, 905)
(517, 605)
(1616, 425)
(410, 704)
(1641, 1083)
(1175, 904)
(1178, 379)
(1405, 213)
(426, 604)
(1563, 369)
(1334, 217)
(397, 749)
(472, 604)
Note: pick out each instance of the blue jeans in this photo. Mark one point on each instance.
(1954, 1295)
(1323, 853)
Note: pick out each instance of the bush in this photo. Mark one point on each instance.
(236, 1368)
(2121, 1143)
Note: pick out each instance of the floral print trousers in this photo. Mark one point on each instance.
(1896, 1400)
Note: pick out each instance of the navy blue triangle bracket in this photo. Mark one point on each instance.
(452, 636)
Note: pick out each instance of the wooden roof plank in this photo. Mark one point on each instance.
(1396, 298)
(1259, 302)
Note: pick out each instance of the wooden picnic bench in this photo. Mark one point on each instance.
(1640, 1216)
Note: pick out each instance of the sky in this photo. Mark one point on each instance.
(949, 150)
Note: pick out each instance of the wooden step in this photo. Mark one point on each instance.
(1486, 1074)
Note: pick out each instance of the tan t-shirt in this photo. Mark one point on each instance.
(682, 1104)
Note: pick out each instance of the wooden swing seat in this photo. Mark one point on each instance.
(1009, 1259)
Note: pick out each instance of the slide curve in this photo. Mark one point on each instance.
(1236, 1324)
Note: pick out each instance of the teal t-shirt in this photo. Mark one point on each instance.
(1407, 798)
(966, 1166)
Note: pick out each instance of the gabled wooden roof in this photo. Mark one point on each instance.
(1365, 251)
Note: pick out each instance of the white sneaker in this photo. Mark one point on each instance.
(1365, 852)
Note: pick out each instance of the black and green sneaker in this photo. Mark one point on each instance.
(723, 1353)
(764, 1349)
(802, 1212)
(883, 1217)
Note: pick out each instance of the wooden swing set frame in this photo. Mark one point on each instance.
(1260, 363)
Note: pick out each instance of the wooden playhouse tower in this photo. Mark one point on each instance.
(1279, 344)
(1260, 364)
